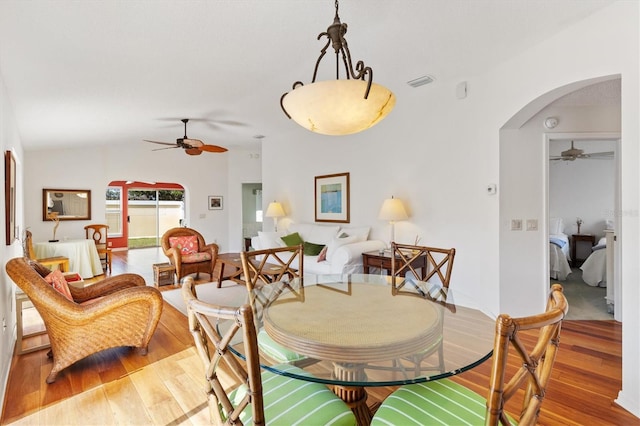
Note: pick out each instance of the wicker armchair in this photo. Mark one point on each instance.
(121, 311)
(202, 260)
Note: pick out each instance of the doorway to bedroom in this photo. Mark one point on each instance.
(582, 199)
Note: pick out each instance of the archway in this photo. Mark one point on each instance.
(523, 178)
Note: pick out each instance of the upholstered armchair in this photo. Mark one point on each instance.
(187, 251)
(117, 311)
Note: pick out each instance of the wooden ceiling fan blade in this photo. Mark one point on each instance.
(161, 143)
(193, 151)
(213, 148)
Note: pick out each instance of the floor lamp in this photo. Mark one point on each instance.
(275, 211)
(392, 211)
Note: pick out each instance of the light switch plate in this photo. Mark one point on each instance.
(532, 224)
(516, 224)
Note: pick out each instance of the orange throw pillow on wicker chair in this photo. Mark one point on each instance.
(186, 245)
(57, 281)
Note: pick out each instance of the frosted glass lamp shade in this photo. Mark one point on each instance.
(338, 107)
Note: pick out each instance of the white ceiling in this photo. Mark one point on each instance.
(98, 72)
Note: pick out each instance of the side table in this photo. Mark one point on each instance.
(575, 239)
(375, 259)
(163, 274)
(22, 302)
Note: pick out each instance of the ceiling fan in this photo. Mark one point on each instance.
(574, 153)
(190, 146)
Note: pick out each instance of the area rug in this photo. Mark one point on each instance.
(229, 294)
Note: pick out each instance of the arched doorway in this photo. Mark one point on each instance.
(524, 161)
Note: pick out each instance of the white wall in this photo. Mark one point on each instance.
(438, 154)
(9, 140)
(93, 168)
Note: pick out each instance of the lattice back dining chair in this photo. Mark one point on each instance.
(237, 392)
(98, 233)
(439, 262)
(61, 262)
(261, 270)
(452, 403)
(264, 267)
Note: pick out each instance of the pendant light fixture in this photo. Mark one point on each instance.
(338, 107)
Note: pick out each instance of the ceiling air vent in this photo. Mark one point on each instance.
(421, 81)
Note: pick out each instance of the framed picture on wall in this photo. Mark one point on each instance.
(332, 198)
(10, 197)
(215, 202)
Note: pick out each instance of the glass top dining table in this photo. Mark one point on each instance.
(362, 330)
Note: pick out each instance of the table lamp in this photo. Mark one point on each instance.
(392, 210)
(275, 211)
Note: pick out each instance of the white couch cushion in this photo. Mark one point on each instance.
(361, 232)
(271, 239)
(338, 242)
(317, 234)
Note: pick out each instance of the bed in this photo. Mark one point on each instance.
(559, 256)
(594, 268)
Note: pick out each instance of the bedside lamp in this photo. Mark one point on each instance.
(275, 211)
(392, 210)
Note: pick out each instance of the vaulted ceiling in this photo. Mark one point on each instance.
(98, 72)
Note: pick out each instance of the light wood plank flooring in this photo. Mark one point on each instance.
(118, 386)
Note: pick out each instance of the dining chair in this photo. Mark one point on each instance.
(61, 262)
(448, 402)
(98, 233)
(261, 269)
(237, 392)
(439, 263)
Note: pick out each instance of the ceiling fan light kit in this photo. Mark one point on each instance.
(190, 146)
(338, 107)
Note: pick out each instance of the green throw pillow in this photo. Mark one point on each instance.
(292, 239)
(311, 249)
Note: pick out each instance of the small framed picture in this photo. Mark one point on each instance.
(215, 202)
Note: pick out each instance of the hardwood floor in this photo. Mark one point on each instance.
(118, 386)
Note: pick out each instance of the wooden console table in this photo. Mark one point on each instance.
(575, 239)
(375, 259)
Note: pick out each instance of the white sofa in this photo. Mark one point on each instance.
(344, 246)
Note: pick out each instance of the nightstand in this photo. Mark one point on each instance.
(580, 238)
(375, 259)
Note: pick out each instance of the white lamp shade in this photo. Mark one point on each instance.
(338, 107)
(392, 210)
(274, 210)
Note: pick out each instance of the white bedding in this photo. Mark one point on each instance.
(559, 266)
(594, 269)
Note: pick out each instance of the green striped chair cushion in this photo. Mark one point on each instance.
(275, 351)
(290, 401)
(441, 402)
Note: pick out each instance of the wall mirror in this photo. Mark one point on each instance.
(66, 204)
